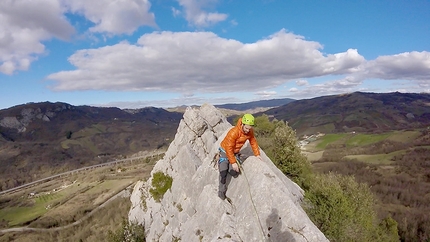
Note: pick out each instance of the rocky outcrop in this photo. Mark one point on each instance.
(12, 123)
(265, 204)
(25, 118)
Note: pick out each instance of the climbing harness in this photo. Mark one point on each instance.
(222, 159)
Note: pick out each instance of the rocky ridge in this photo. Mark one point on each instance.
(265, 204)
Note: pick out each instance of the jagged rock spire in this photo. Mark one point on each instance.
(265, 204)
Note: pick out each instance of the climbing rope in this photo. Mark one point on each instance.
(252, 200)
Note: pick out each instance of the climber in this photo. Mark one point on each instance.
(230, 147)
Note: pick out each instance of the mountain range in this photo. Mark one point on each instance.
(356, 112)
(41, 139)
(271, 103)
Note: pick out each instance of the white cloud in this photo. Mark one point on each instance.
(342, 63)
(114, 16)
(176, 12)
(173, 102)
(266, 94)
(412, 68)
(424, 84)
(408, 66)
(200, 61)
(302, 82)
(24, 24)
(339, 86)
(197, 16)
(233, 22)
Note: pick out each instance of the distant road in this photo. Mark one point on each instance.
(78, 170)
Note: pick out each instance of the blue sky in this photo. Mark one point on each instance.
(162, 53)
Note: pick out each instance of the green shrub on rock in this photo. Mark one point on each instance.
(161, 183)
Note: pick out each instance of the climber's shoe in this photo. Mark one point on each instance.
(221, 195)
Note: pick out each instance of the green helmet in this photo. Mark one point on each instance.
(248, 119)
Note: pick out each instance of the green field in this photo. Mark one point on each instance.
(404, 136)
(328, 139)
(34, 208)
(380, 159)
(356, 141)
(83, 137)
(366, 139)
(84, 142)
(60, 201)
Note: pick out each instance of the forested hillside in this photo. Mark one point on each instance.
(358, 111)
(41, 139)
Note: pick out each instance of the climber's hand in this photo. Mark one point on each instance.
(235, 167)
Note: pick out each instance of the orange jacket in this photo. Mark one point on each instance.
(235, 139)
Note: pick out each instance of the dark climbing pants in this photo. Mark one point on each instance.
(225, 168)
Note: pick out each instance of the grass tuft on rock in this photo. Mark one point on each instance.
(161, 183)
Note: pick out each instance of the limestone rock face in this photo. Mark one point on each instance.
(27, 116)
(265, 204)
